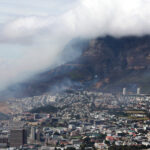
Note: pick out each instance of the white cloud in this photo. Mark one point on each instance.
(41, 38)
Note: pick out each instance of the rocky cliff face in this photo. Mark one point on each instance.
(107, 64)
(119, 62)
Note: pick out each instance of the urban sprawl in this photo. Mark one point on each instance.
(81, 120)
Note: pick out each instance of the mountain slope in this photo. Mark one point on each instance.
(118, 62)
(107, 64)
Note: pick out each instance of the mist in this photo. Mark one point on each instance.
(33, 41)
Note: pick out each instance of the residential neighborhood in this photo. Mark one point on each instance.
(82, 120)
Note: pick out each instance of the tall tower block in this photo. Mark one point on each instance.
(124, 92)
(18, 137)
(33, 133)
(138, 91)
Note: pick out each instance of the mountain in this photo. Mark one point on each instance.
(106, 64)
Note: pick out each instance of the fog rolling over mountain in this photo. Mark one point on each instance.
(33, 41)
(106, 64)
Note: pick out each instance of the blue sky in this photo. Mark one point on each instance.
(13, 9)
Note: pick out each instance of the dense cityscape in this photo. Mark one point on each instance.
(78, 120)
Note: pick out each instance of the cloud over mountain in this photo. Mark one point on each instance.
(36, 40)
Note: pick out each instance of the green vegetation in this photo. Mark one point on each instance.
(3, 116)
(76, 137)
(130, 114)
(77, 75)
(86, 143)
(117, 112)
(138, 119)
(127, 147)
(44, 109)
(135, 112)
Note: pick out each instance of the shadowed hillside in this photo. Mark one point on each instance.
(107, 64)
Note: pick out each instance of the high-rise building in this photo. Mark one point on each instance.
(138, 91)
(33, 133)
(124, 91)
(3, 141)
(18, 137)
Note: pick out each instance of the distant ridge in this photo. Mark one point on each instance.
(107, 64)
